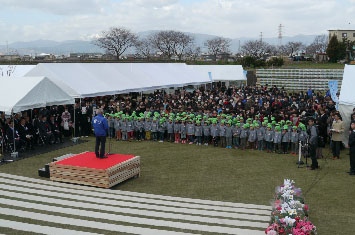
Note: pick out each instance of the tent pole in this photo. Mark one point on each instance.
(13, 129)
(74, 120)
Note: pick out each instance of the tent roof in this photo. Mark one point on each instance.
(19, 94)
(100, 79)
(347, 94)
(222, 72)
(15, 70)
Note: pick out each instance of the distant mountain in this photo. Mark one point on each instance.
(80, 46)
(52, 47)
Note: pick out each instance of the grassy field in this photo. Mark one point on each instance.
(312, 65)
(228, 175)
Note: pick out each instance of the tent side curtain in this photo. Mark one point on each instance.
(347, 94)
(347, 98)
(31, 92)
(100, 79)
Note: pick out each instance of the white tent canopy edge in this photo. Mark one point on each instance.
(18, 94)
(82, 80)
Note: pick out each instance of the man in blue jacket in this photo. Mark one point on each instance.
(100, 125)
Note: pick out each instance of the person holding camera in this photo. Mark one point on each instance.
(313, 142)
(337, 131)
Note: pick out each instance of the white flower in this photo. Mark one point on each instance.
(289, 221)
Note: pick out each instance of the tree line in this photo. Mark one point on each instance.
(170, 43)
(167, 43)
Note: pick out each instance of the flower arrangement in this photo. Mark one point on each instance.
(290, 214)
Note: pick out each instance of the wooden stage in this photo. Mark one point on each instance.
(86, 169)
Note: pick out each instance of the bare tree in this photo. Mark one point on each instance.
(144, 47)
(116, 41)
(181, 43)
(319, 45)
(193, 52)
(172, 43)
(163, 42)
(217, 45)
(290, 48)
(256, 49)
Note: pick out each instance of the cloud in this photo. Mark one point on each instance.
(58, 7)
(229, 18)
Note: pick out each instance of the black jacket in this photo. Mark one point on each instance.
(23, 131)
(352, 142)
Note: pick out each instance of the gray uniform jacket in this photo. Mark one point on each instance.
(260, 134)
(183, 131)
(286, 137)
(294, 137)
(154, 126)
(222, 131)
(130, 126)
(177, 128)
(117, 125)
(252, 135)
(162, 126)
(314, 136)
(269, 136)
(214, 130)
(190, 129)
(229, 131)
(147, 125)
(170, 127)
(139, 125)
(236, 131)
(206, 130)
(198, 130)
(244, 133)
(277, 137)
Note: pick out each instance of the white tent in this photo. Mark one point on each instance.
(99, 79)
(221, 72)
(19, 94)
(347, 97)
(15, 70)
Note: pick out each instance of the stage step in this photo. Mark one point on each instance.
(74, 207)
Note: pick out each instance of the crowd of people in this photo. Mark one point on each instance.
(260, 118)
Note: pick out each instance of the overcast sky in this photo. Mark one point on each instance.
(25, 20)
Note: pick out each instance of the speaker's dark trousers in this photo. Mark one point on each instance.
(100, 140)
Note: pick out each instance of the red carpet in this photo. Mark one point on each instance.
(89, 160)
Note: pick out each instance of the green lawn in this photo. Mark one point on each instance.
(312, 65)
(228, 175)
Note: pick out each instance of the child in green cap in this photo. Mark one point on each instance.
(183, 131)
(229, 135)
(206, 133)
(252, 137)
(198, 133)
(294, 140)
(269, 137)
(244, 136)
(277, 139)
